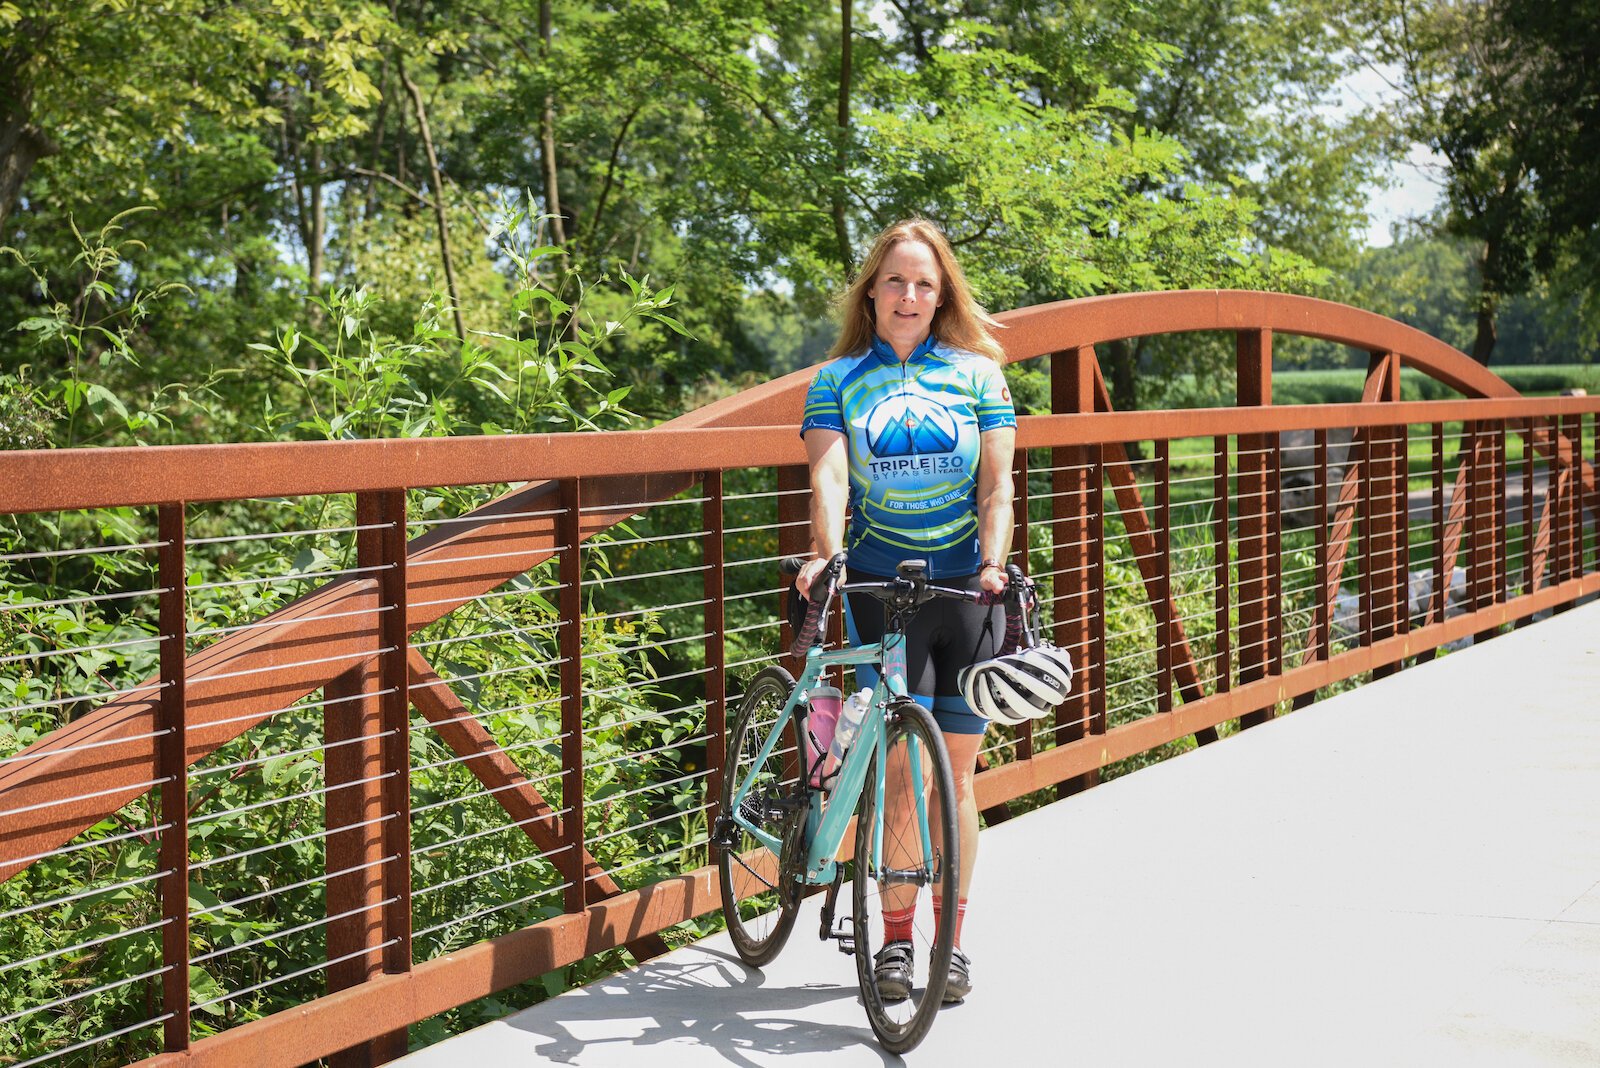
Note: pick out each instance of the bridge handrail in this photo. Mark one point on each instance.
(48, 480)
(201, 701)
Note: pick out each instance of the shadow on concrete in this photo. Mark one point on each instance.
(711, 1001)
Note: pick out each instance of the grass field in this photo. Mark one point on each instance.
(1344, 386)
(1192, 458)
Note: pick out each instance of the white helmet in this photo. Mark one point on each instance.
(1019, 686)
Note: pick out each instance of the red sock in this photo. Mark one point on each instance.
(961, 915)
(897, 925)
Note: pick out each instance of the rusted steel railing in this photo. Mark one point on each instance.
(343, 750)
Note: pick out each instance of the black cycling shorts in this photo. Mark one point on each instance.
(944, 636)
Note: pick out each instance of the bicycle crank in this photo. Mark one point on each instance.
(845, 935)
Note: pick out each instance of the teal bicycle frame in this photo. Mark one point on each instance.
(828, 813)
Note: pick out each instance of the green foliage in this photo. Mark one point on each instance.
(25, 422)
(1069, 148)
(291, 281)
(88, 342)
(257, 802)
(1505, 93)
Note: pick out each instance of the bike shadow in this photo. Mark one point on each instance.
(711, 1002)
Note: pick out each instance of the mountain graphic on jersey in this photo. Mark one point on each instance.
(910, 426)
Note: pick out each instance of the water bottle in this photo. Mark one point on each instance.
(851, 717)
(823, 716)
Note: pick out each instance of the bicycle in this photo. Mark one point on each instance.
(778, 833)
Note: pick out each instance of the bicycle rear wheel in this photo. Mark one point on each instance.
(919, 848)
(760, 887)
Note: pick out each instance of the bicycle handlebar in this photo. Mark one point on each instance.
(1019, 598)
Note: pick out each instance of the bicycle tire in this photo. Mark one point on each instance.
(901, 1024)
(760, 912)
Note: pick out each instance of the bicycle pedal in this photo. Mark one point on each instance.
(846, 940)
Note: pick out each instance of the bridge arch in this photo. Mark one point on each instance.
(1070, 325)
(578, 485)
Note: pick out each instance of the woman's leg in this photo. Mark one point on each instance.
(963, 750)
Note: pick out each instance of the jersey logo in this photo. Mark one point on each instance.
(910, 426)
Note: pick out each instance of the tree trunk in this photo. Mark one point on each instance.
(1488, 305)
(22, 144)
(437, 181)
(317, 244)
(1483, 343)
(547, 133)
(593, 225)
(371, 203)
(841, 232)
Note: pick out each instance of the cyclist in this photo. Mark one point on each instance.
(912, 427)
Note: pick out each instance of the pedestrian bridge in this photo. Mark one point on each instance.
(334, 749)
(1405, 874)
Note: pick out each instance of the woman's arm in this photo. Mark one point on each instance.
(995, 521)
(830, 494)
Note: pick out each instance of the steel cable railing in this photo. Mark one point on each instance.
(562, 748)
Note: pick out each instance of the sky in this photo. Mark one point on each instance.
(1412, 185)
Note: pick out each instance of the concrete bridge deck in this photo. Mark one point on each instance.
(1407, 874)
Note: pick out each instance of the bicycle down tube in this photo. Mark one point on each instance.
(826, 833)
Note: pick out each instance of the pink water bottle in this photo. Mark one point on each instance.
(820, 723)
(848, 725)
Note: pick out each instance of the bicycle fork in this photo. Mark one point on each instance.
(844, 934)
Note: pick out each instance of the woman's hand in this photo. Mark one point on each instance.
(808, 574)
(991, 578)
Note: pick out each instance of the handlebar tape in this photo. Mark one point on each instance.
(810, 630)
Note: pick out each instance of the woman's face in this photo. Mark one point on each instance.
(905, 293)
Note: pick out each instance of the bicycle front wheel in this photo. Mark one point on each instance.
(760, 886)
(908, 852)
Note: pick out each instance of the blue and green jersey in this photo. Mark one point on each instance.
(912, 432)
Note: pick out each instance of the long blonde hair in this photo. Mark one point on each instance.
(959, 321)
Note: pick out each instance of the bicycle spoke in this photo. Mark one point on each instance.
(759, 916)
(906, 855)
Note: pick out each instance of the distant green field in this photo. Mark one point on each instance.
(1344, 386)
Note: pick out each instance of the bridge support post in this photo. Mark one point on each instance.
(367, 766)
(716, 677)
(352, 723)
(1258, 608)
(1385, 517)
(1483, 511)
(1076, 557)
(569, 532)
(172, 756)
(794, 537)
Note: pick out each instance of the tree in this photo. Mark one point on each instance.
(1554, 51)
(730, 146)
(1431, 283)
(1246, 89)
(1506, 91)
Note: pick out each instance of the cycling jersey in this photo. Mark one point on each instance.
(912, 432)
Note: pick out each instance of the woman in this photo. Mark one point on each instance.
(912, 426)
